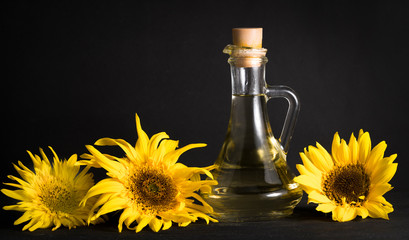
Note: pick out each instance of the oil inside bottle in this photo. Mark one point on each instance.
(254, 181)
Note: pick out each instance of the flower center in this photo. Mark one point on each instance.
(153, 190)
(57, 195)
(349, 184)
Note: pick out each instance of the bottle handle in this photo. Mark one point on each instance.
(289, 94)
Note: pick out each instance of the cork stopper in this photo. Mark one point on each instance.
(248, 37)
(247, 50)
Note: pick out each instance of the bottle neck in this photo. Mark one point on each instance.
(247, 67)
(248, 80)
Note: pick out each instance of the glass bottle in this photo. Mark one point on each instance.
(254, 181)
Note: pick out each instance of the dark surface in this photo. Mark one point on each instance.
(305, 223)
(77, 72)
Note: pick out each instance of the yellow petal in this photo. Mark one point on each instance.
(337, 213)
(388, 209)
(101, 200)
(183, 172)
(206, 208)
(166, 224)
(48, 221)
(38, 224)
(112, 205)
(164, 147)
(24, 172)
(16, 194)
(344, 213)
(382, 200)
(310, 166)
(145, 220)
(56, 159)
(171, 145)
(386, 175)
(317, 197)
(199, 208)
(305, 180)
(336, 143)
(111, 166)
(319, 161)
(380, 168)
(325, 207)
(173, 156)
(361, 131)
(375, 210)
(45, 158)
(155, 224)
(379, 190)
(36, 161)
(155, 140)
(349, 214)
(143, 139)
(184, 224)
(342, 155)
(132, 218)
(326, 155)
(307, 189)
(189, 186)
(28, 225)
(14, 208)
(362, 211)
(57, 225)
(24, 218)
(353, 149)
(107, 185)
(15, 185)
(391, 158)
(66, 222)
(199, 214)
(364, 143)
(375, 156)
(126, 147)
(125, 214)
(304, 171)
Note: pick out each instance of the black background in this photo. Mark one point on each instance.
(76, 72)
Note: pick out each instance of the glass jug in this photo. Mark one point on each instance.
(254, 181)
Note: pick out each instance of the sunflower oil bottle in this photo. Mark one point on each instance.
(254, 181)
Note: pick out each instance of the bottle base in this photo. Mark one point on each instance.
(251, 216)
(253, 207)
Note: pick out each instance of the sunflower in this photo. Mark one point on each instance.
(148, 184)
(50, 195)
(351, 181)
